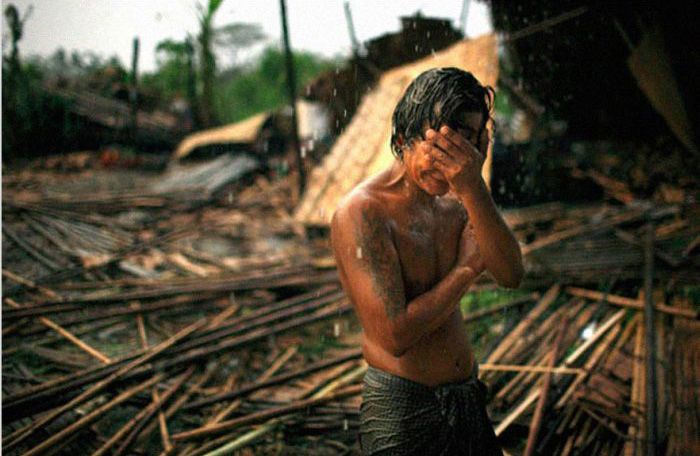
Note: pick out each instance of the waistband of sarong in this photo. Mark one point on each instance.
(398, 383)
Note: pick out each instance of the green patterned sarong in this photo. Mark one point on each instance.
(401, 417)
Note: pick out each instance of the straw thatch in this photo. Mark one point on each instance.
(243, 132)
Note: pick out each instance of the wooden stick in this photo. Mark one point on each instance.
(121, 433)
(532, 397)
(594, 338)
(15, 438)
(66, 433)
(247, 438)
(590, 364)
(608, 223)
(162, 425)
(29, 284)
(27, 247)
(101, 357)
(311, 368)
(536, 369)
(178, 403)
(223, 414)
(547, 299)
(155, 407)
(268, 414)
(544, 391)
(631, 303)
(650, 342)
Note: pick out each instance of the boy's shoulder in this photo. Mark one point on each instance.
(363, 201)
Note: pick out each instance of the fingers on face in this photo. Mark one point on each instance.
(438, 154)
(444, 145)
(455, 138)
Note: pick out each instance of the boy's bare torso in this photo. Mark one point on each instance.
(425, 236)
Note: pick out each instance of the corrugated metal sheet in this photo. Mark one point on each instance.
(363, 149)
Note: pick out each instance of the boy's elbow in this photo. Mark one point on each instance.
(511, 277)
(515, 278)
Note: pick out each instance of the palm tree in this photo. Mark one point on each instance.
(207, 59)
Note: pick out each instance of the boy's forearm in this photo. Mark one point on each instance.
(497, 245)
(428, 311)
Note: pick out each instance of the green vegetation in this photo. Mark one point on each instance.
(38, 122)
(483, 331)
(261, 86)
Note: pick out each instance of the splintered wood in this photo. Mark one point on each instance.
(142, 322)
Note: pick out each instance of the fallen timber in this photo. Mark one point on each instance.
(274, 359)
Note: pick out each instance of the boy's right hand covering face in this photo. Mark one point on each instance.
(469, 254)
(455, 157)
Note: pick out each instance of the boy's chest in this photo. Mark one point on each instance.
(427, 248)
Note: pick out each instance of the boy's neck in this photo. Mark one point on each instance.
(409, 189)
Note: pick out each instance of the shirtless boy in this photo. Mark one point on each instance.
(409, 242)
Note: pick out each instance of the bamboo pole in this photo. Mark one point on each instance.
(249, 437)
(547, 299)
(14, 439)
(155, 404)
(572, 358)
(62, 436)
(544, 391)
(162, 424)
(101, 357)
(175, 406)
(631, 303)
(535, 369)
(268, 414)
(223, 414)
(650, 339)
(568, 233)
(29, 284)
(311, 368)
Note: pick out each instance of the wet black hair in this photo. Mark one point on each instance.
(440, 96)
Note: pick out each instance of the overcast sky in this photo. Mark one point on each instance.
(108, 26)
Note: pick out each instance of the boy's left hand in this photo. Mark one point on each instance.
(457, 158)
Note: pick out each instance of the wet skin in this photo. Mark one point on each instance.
(406, 254)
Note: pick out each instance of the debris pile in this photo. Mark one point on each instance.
(143, 317)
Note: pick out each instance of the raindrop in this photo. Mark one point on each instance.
(303, 152)
(358, 253)
(336, 329)
(345, 424)
(588, 331)
(335, 91)
(345, 113)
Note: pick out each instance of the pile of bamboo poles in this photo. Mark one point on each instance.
(123, 333)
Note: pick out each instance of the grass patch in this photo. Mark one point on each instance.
(483, 331)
